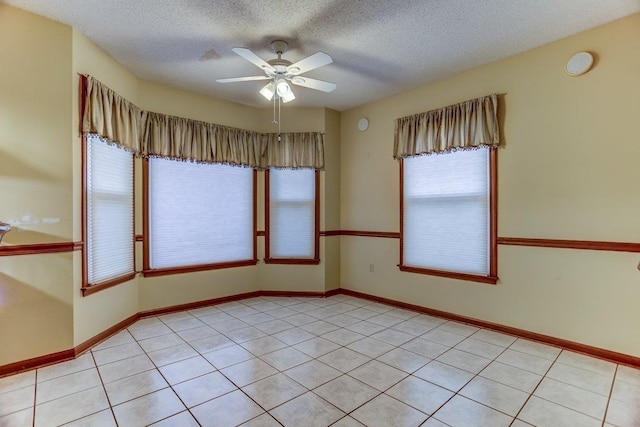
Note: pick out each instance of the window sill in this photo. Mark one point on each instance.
(193, 268)
(300, 261)
(92, 289)
(491, 280)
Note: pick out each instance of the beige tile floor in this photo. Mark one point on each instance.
(307, 362)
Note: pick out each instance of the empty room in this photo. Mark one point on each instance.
(319, 213)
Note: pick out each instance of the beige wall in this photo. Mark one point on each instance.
(569, 171)
(36, 302)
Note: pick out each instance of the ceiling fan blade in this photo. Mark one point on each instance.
(309, 63)
(253, 58)
(242, 79)
(313, 84)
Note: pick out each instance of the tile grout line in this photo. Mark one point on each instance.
(103, 388)
(613, 382)
(35, 391)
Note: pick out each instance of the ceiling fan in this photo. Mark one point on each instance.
(281, 72)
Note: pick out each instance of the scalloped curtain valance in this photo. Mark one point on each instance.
(149, 134)
(467, 125)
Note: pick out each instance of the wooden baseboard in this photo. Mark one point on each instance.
(600, 353)
(49, 359)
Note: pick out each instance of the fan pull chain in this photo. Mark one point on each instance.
(279, 103)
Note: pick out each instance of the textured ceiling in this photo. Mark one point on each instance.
(379, 47)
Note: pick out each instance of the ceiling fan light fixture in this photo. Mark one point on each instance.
(282, 87)
(289, 96)
(268, 91)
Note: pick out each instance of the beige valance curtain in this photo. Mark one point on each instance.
(293, 150)
(149, 134)
(110, 116)
(466, 125)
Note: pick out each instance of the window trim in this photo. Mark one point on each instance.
(147, 271)
(492, 278)
(316, 223)
(87, 288)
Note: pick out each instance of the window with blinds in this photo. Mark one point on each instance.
(199, 215)
(109, 213)
(446, 212)
(291, 221)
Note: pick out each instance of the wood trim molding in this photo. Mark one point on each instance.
(92, 289)
(38, 362)
(571, 244)
(139, 238)
(260, 233)
(291, 261)
(40, 248)
(361, 233)
(193, 268)
(491, 280)
(589, 350)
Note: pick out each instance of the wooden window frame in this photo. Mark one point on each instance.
(87, 288)
(492, 277)
(147, 271)
(316, 223)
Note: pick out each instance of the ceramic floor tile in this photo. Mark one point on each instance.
(135, 386)
(182, 419)
(462, 412)
(425, 348)
(217, 317)
(186, 369)
(444, 375)
(587, 363)
(113, 354)
(263, 345)
(71, 407)
(319, 327)
(458, 328)
(344, 359)
(158, 343)
(572, 397)
(148, 409)
(281, 312)
(258, 318)
(420, 394)
(343, 336)
(386, 411)
(230, 409)
(274, 326)
(384, 320)
(14, 382)
(624, 373)
(623, 414)
(150, 331)
(204, 388)
(626, 392)
(404, 360)
(286, 358)
(99, 419)
(495, 395)
(248, 372)
(346, 393)
(211, 343)
(312, 374)
(274, 391)
(378, 375)
(412, 328)
(347, 422)
(316, 347)
(370, 347)
(432, 422)
(511, 376)
(245, 334)
(342, 320)
(580, 378)
(124, 368)
(307, 410)
(185, 324)
(463, 360)
(17, 400)
(425, 319)
(293, 336)
(228, 356)
(175, 317)
(495, 338)
(198, 333)
(242, 311)
(20, 418)
(365, 328)
(535, 348)
(528, 362)
(299, 319)
(229, 325)
(480, 348)
(68, 384)
(401, 313)
(443, 337)
(392, 337)
(69, 367)
(264, 420)
(542, 413)
(172, 354)
(322, 313)
(204, 311)
(362, 313)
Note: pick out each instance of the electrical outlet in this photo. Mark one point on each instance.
(371, 268)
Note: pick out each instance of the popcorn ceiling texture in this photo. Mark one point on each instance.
(379, 47)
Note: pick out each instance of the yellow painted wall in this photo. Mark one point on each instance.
(570, 170)
(36, 313)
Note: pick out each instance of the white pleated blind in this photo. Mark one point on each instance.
(199, 213)
(109, 221)
(446, 212)
(292, 213)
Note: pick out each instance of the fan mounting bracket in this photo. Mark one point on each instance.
(279, 46)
